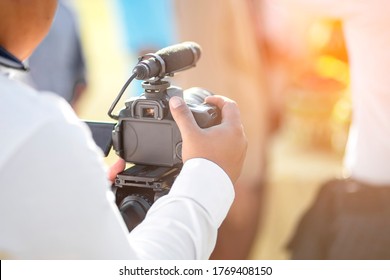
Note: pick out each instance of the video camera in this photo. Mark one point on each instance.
(146, 134)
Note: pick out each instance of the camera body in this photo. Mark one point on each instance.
(147, 136)
(146, 132)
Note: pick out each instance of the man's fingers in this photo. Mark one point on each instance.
(183, 116)
(217, 100)
(116, 168)
(229, 109)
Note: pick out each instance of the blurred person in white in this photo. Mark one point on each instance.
(57, 64)
(55, 198)
(350, 217)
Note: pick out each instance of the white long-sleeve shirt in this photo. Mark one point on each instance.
(55, 201)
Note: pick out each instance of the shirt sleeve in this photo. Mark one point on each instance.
(187, 219)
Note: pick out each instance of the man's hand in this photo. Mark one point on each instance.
(224, 144)
(116, 168)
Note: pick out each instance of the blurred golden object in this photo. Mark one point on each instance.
(326, 38)
(318, 106)
(328, 66)
(309, 112)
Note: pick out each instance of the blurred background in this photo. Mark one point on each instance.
(287, 70)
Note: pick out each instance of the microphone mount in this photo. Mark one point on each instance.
(146, 68)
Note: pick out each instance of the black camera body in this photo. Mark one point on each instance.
(146, 134)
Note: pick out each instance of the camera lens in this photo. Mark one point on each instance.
(133, 209)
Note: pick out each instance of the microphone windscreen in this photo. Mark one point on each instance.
(180, 56)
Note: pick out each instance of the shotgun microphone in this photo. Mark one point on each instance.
(167, 61)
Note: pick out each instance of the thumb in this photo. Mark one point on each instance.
(182, 115)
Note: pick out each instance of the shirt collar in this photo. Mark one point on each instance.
(10, 61)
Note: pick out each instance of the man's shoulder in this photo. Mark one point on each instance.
(24, 105)
(24, 112)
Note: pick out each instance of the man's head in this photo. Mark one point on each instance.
(24, 24)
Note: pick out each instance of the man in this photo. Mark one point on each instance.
(55, 201)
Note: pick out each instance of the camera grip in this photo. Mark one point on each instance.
(205, 115)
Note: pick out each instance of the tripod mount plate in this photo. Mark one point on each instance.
(147, 176)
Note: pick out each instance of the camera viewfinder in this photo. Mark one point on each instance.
(148, 113)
